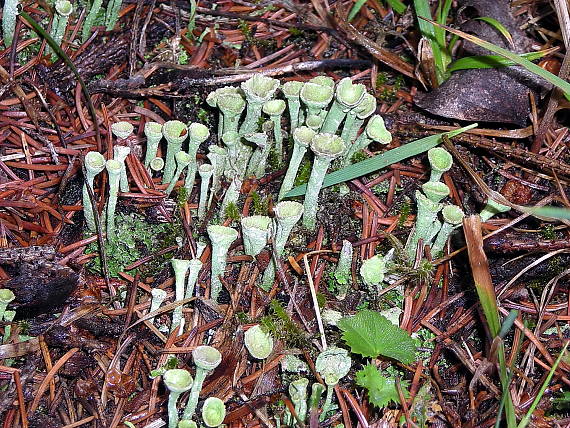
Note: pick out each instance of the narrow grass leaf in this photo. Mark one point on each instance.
(497, 26)
(423, 12)
(380, 161)
(397, 6)
(557, 213)
(533, 68)
(492, 61)
(526, 420)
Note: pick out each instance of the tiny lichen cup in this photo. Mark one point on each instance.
(221, 238)
(258, 343)
(255, 231)
(177, 381)
(175, 132)
(206, 359)
(213, 412)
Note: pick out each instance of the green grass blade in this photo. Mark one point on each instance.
(397, 6)
(381, 161)
(533, 68)
(526, 420)
(355, 9)
(427, 29)
(557, 213)
(497, 26)
(490, 61)
(508, 323)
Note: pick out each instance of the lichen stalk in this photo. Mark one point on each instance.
(180, 267)
(302, 137)
(94, 164)
(221, 238)
(182, 159)
(153, 134)
(326, 147)
(114, 171)
(175, 132)
(205, 171)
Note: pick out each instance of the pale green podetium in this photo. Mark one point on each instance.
(122, 130)
(258, 343)
(314, 122)
(212, 100)
(193, 272)
(114, 170)
(257, 89)
(90, 19)
(198, 133)
(238, 155)
(206, 359)
(375, 131)
(426, 226)
(372, 272)
(63, 9)
(332, 364)
(232, 105)
(94, 164)
(182, 159)
(452, 219)
(298, 394)
(153, 134)
(356, 117)
(156, 164)
(287, 214)
(255, 231)
(435, 190)
(274, 109)
(326, 148)
(221, 238)
(187, 424)
(6, 297)
(213, 412)
(175, 132)
(205, 171)
(342, 273)
(158, 297)
(177, 381)
(180, 267)
(491, 209)
(9, 17)
(258, 160)
(316, 98)
(120, 154)
(302, 137)
(291, 90)
(440, 161)
(217, 156)
(347, 96)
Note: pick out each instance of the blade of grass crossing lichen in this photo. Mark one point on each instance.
(381, 161)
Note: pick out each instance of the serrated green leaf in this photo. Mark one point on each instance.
(381, 390)
(370, 334)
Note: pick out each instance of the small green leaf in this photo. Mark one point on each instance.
(381, 390)
(497, 26)
(370, 334)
